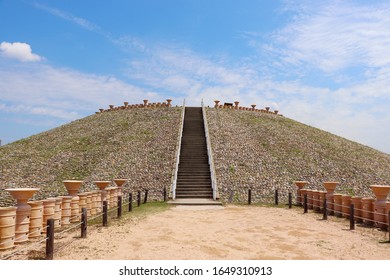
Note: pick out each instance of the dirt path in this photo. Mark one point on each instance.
(232, 232)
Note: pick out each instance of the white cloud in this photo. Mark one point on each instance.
(19, 51)
(63, 93)
(335, 35)
(82, 22)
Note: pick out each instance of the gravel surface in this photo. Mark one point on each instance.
(267, 151)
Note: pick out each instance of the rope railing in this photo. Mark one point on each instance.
(53, 233)
(177, 156)
(24, 248)
(366, 216)
(210, 155)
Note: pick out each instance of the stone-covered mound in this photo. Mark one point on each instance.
(266, 151)
(137, 144)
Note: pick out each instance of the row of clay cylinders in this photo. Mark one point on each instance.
(367, 210)
(15, 221)
(91, 201)
(267, 109)
(158, 104)
(370, 211)
(315, 199)
(110, 194)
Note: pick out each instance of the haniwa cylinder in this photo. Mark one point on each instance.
(82, 201)
(7, 227)
(380, 212)
(95, 203)
(74, 210)
(108, 196)
(322, 195)
(300, 185)
(309, 199)
(357, 202)
(48, 212)
(368, 210)
(316, 200)
(346, 201)
(66, 210)
(57, 211)
(36, 219)
(337, 206)
(89, 203)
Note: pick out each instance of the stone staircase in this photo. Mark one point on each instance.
(194, 179)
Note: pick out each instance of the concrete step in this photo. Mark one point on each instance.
(195, 202)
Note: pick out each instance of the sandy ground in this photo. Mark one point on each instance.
(232, 232)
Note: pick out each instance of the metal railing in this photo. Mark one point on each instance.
(177, 160)
(210, 155)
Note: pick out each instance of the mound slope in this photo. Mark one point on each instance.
(251, 150)
(266, 151)
(137, 144)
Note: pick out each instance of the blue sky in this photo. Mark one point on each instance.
(324, 63)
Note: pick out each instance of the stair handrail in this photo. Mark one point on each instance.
(177, 156)
(210, 155)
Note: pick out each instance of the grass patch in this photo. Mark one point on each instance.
(141, 212)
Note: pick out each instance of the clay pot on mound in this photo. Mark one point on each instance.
(330, 188)
(316, 200)
(322, 196)
(120, 183)
(380, 216)
(102, 185)
(300, 185)
(95, 202)
(48, 212)
(89, 203)
(23, 212)
(72, 186)
(36, 219)
(357, 202)
(303, 193)
(346, 201)
(7, 227)
(337, 205)
(82, 201)
(368, 210)
(57, 210)
(66, 209)
(309, 194)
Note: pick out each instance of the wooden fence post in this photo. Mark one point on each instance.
(84, 222)
(249, 196)
(389, 224)
(289, 200)
(146, 196)
(119, 206)
(130, 202)
(165, 194)
(105, 213)
(305, 204)
(139, 199)
(325, 210)
(351, 217)
(276, 197)
(50, 239)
